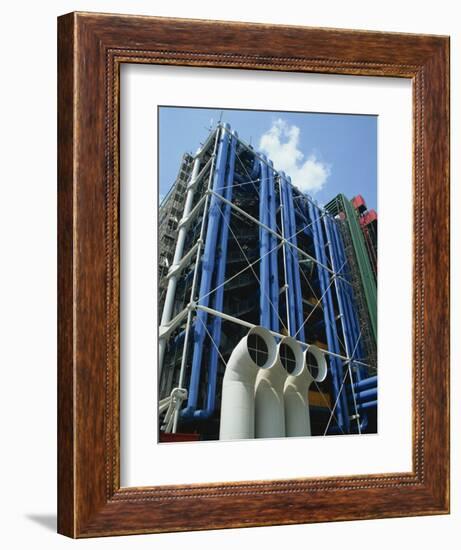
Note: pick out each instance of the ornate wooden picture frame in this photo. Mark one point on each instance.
(92, 48)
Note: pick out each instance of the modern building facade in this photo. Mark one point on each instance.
(245, 248)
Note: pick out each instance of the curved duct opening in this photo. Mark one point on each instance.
(316, 363)
(291, 356)
(256, 352)
(257, 349)
(287, 358)
(261, 347)
(311, 364)
(269, 399)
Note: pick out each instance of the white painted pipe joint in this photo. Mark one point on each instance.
(296, 392)
(257, 350)
(270, 382)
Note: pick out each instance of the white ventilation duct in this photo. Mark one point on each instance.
(296, 392)
(269, 401)
(257, 350)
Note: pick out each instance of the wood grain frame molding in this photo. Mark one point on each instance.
(91, 49)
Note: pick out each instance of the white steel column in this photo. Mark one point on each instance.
(172, 282)
(190, 308)
(286, 286)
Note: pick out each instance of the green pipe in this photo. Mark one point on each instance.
(340, 202)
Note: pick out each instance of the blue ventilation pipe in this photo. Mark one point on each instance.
(342, 415)
(352, 334)
(350, 317)
(360, 371)
(361, 397)
(348, 328)
(366, 395)
(289, 293)
(336, 348)
(218, 295)
(370, 382)
(342, 400)
(298, 297)
(353, 320)
(275, 323)
(336, 265)
(264, 243)
(207, 266)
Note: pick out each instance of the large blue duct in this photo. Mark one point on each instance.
(344, 312)
(349, 301)
(366, 383)
(350, 317)
(290, 291)
(218, 295)
(207, 268)
(274, 278)
(264, 244)
(292, 237)
(366, 395)
(345, 321)
(339, 394)
(330, 324)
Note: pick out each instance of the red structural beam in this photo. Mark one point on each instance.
(368, 217)
(358, 202)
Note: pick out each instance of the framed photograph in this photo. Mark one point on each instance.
(253, 275)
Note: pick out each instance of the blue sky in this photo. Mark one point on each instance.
(325, 154)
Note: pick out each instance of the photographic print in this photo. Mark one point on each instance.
(267, 274)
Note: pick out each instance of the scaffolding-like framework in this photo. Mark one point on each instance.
(170, 213)
(251, 249)
(363, 277)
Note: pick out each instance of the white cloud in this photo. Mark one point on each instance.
(281, 145)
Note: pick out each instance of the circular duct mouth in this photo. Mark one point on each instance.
(316, 363)
(291, 356)
(261, 347)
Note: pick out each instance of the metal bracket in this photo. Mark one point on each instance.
(172, 404)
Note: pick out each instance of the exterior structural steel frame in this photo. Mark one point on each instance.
(298, 215)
